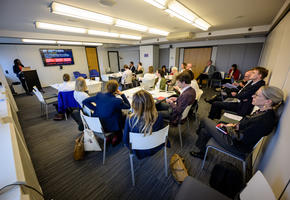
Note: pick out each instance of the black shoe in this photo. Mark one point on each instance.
(211, 100)
(197, 154)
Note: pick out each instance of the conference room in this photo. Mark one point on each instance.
(145, 99)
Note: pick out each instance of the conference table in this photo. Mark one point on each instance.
(116, 76)
(94, 86)
(158, 95)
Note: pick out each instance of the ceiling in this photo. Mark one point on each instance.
(18, 17)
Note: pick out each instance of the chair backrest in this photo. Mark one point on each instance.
(140, 142)
(94, 73)
(76, 74)
(216, 75)
(185, 112)
(38, 94)
(147, 83)
(92, 123)
(66, 100)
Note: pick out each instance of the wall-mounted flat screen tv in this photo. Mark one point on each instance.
(55, 57)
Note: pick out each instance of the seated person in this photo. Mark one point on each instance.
(242, 106)
(242, 137)
(140, 69)
(150, 74)
(148, 80)
(144, 120)
(80, 94)
(182, 67)
(160, 82)
(227, 90)
(65, 86)
(164, 69)
(174, 106)
(233, 75)
(108, 107)
(132, 67)
(189, 66)
(174, 73)
(127, 77)
(194, 85)
(207, 72)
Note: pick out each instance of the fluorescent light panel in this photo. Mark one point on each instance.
(131, 37)
(92, 44)
(69, 42)
(178, 16)
(157, 31)
(103, 33)
(130, 25)
(180, 9)
(39, 41)
(157, 3)
(71, 11)
(56, 27)
(200, 22)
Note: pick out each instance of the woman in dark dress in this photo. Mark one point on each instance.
(143, 120)
(243, 136)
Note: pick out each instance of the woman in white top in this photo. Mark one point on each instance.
(80, 95)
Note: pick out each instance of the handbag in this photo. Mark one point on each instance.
(90, 141)
(178, 168)
(79, 148)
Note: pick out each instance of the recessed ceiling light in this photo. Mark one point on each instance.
(56, 27)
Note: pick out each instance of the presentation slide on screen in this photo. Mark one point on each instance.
(51, 57)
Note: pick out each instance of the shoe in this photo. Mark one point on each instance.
(58, 117)
(197, 154)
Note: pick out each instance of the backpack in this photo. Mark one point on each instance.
(216, 75)
(178, 169)
(227, 179)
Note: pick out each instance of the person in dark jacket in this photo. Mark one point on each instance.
(243, 106)
(17, 69)
(242, 137)
(108, 107)
(174, 106)
(143, 120)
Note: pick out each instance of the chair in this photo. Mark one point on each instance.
(94, 73)
(243, 157)
(78, 74)
(180, 122)
(66, 101)
(94, 124)
(44, 102)
(216, 78)
(140, 142)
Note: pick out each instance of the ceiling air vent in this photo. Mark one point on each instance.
(180, 36)
(107, 3)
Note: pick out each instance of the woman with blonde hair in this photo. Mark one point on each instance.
(144, 120)
(80, 93)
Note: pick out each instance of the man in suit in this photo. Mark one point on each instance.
(174, 106)
(207, 72)
(132, 67)
(243, 105)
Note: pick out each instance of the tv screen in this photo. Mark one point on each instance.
(54, 57)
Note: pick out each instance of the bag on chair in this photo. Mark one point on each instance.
(178, 168)
(90, 141)
(79, 148)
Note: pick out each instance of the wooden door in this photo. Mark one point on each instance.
(92, 58)
(199, 58)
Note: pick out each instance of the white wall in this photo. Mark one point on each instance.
(275, 162)
(30, 56)
(126, 55)
(147, 54)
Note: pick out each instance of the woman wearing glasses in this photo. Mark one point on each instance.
(242, 137)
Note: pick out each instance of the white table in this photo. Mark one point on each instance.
(106, 77)
(155, 93)
(93, 85)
